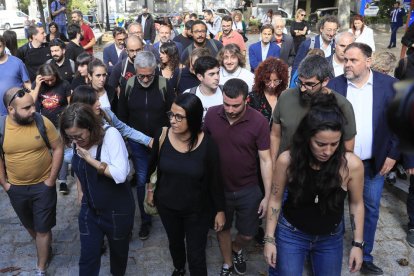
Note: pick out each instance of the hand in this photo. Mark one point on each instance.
(80, 196)
(151, 143)
(388, 165)
(219, 221)
(355, 259)
(6, 186)
(49, 182)
(410, 171)
(39, 80)
(150, 198)
(263, 207)
(270, 254)
(83, 153)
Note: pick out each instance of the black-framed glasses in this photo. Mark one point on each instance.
(178, 117)
(307, 85)
(142, 76)
(77, 138)
(20, 93)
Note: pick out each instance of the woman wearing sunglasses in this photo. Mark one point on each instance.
(299, 28)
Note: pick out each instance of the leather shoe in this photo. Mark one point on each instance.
(368, 268)
(389, 46)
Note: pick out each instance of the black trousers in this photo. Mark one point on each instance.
(191, 226)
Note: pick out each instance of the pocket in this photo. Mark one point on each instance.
(122, 225)
(83, 219)
(339, 230)
(10, 189)
(284, 223)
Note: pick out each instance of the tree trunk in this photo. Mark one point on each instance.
(42, 15)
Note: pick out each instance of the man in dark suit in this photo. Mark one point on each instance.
(328, 26)
(370, 93)
(397, 15)
(147, 23)
(284, 41)
(263, 49)
(164, 35)
(112, 52)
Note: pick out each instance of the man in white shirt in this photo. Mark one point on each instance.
(213, 23)
(342, 41)
(209, 92)
(232, 63)
(112, 52)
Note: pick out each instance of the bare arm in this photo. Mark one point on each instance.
(275, 135)
(3, 179)
(57, 158)
(90, 44)
(266, 171)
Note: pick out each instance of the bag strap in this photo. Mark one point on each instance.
(162, 138)
(130, 84)
(40, 123)
(162, 86)
(193, 90)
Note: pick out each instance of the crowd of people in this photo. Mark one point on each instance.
(272, 151)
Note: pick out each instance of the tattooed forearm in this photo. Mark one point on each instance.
(275, 212)
(352, 217)
(275, 188)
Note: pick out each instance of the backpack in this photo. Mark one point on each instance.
(40, 126)
(191, 46)
(193, 90)
(162, 86)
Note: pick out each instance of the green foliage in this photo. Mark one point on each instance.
(384, 7)
(82, 5)
(24, 6)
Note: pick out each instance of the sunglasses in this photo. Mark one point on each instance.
(20, 93)
(141, 76)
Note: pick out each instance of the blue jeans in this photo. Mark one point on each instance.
(63, 30)
(394, 29)
(373, 184)
(140, 158)
(293, 246)
(410, 203)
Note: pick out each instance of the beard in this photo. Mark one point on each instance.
(58, 58)
(2, 54)
(23, 120)
(145, 85)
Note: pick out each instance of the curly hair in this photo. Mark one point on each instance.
(265, 69)
(232, 49)
(170, 49)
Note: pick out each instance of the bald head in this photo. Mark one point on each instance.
(342, 40)
(9, 95)
(133, 41)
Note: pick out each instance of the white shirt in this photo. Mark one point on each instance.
(143, 21)
(118, 51)
(240, 73)
(237, 26)
(208, 101)
(362, 102)
(265, 50)
(338, 68)
(104, 100)
(326, 50)
(367, 37)
(115, 154)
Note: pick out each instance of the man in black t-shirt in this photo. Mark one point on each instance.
(74, 49)
(185, 38)
(65, 66)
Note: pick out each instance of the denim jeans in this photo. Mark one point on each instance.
(63, 30)
(293, 247)
(373, 184)
(140, 158)
(410, 203)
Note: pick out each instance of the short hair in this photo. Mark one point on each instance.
(57, 42)
(33, 30)
(84, 59)
(383, 62)
(316, 51)
(233, 49)
(227, 18)
(343, 34)
(365, 48)
(330, 19)
(84, 94)
(49, 69)
(208, 11)
(193, 15)
(196, 53)
(73, 30)
(81, 116)
(2, 41)
(189, 24)
(10, 94)
(279, 19)
(233, 88)
(145, 59)
(95, 62)
(203, 64)
(134, 24)
(267, 27)
(198, 22)
(118, 30)
(79, 13)
(314, 66)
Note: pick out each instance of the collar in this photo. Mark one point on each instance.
(222, 114)
(321, 41)
(264, 46)
(370, 80)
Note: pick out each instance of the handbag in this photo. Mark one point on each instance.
(148, 208)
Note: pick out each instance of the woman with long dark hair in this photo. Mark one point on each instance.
(11, 41)
(81, 75)
(170, 59)
(189, 194)
(318, 174)
(54, 33)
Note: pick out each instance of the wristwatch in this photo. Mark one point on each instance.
(358, 244)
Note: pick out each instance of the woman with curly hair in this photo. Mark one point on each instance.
(271, 78)
(170, 59)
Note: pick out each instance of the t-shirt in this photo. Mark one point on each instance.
(73, 50)
(240, 73)
(185, 41)
(87, 37)
(77, 81)
(53, 100)
(209, 45)
(13, 74)
(66, 71)
(290, 111)
(34, 57)
(28, 159)
(208, 101)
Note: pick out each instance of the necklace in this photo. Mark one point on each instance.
(316, 199)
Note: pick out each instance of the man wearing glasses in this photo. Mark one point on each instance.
(112, 52)
(30, 175)
(143, 105)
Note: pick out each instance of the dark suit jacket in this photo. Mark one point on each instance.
(287, 50)
(384, 142)
(255, 53)
(149, 30)
(304, 48)
(400, 15)
(110, 55)
(157, 49)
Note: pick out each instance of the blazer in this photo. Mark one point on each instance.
(400, 15)
(157, 49)
(110, 55)
(385, 142)
(287, 50)
(149, 29)
(255, 53)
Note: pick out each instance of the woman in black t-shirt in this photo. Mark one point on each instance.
(299, 28)
(318, 174)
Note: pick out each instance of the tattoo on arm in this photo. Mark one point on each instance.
(275, 212)
(352, 217)
(275, 188)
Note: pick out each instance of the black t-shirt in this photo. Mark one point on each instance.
(34, 57)
(212, 45)
(185, 81)
(79, 80)
(65, 70)
(73, 51)
(185, 41)
(52, 100)
(116, 79)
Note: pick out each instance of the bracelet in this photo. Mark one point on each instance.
(150, 190)
(102, 168)
(269, 239)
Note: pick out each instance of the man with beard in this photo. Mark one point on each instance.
(227, 35)
(164, 35)
(65, 66)
(232, 63)
(73, 48)
(199, 31)
(88, 38)
(148, 26)
(185, 38)
(143, 106)
(370, 93)
(328, 26)
(294, 103)
(112, 52)
(241, 134)
(13, 73)
(28, 171)
(263, 49)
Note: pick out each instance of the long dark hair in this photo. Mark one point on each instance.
(170, 49)
(10, 38)
(49, 69)
(194, 115)
(324, 114)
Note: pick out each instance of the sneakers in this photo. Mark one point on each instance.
(144, 231)
(178, 272)
(226, 271)
(410, 237)
(239, 262)
(40, 273)
(63, 188)
(391, 178)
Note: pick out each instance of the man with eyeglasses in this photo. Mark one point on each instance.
(28, 171)
(112, 52)
(65, 66)
(143, 105)
(328, 26)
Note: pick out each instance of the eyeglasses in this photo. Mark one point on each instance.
(75, 138)
(277, 82)
(307, 85)
(200, 31)
(20, 93)
(178, 117)
(141, 76)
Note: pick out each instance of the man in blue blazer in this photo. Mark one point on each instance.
(112, 52)
(164, 35)
(370, 93)
(328, 26)
(263, 49)
(396, 15)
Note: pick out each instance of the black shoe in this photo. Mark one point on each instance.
(63, 188)
(391, 178)
(144, 231)
(401, 174)
(226, 271)
(259, 236)
(133, 181)
(178, 272)
(103, 247)
(368, 268)
(389, 46)
(239, 263)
